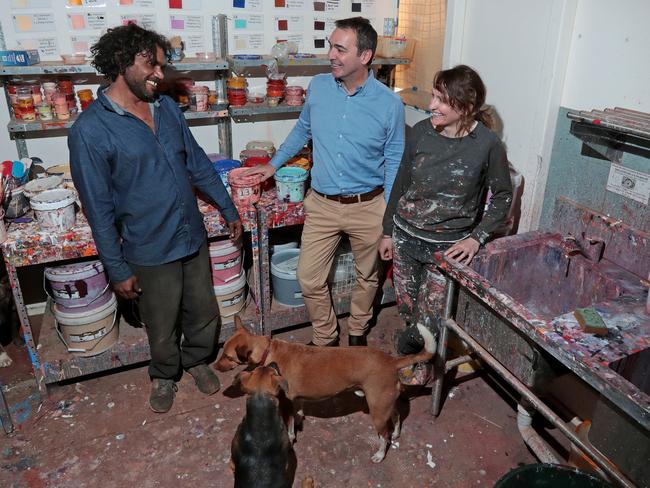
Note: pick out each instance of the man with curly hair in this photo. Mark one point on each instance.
(134, 162)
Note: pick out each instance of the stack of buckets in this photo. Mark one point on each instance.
(85, 308)
(228, 278)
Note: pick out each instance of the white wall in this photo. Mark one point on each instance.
(609, 63)
(520, 48)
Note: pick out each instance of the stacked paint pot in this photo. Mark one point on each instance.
(85, 308)
(275, 86)
(223, 167)
(236, 91)
(256, 157)
(245, 190)
(294, 95)
(228, 278)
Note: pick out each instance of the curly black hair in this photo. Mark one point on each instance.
(116, 50)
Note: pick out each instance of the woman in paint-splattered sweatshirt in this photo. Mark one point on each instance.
(437, 201)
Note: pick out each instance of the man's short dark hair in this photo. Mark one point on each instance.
(366, 34)
(116, 50)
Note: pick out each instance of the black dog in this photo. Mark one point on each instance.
(261, 453)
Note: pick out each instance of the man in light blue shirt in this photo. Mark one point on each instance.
(357, 127)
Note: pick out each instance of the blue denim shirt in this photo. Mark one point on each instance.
(136, 185)
(358, 139)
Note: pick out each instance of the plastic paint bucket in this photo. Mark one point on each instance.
(54, 209)
(286, 289)
(225, 261)
(76, 285)
(39, 185)
(290, 182)
(223, 168)
(231, 297)
(246, 190)
(88, 334)
(60, 169)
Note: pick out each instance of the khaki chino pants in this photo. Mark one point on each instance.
(325, 223)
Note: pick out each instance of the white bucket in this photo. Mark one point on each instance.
(54, 210)
(286, 289)
(39, 185)
(225, 261)
(88, 334)
(231, 297)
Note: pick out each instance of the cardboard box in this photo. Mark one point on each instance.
(19, 58)
(395, 47)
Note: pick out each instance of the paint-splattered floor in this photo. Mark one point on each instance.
(100, 432)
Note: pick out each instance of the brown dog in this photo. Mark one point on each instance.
(316, 373)
(261, 452)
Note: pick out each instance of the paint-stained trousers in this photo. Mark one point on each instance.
(419, 286)
(325, 223)
(177, 298)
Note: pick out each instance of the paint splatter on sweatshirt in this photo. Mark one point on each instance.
(441, 184)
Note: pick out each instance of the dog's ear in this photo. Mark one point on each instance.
(281, 385)
(275, 367)
(241, 379)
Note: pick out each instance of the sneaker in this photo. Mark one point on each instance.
(416, 374)
(357, 340)
(205, 379)
(162, 395)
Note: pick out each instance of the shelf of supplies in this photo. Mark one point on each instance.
(58, 68)
(239, 64)
(255, 110)
(621, 120)
(21, 126)
(131, 347)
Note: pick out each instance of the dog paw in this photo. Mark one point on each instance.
(378, 456)
(5, 360)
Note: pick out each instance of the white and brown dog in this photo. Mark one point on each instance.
(317, 373)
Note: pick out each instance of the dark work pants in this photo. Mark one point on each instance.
(177, 294)
(419, 286)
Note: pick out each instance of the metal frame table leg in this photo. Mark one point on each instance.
(5, 415)
(441, 355)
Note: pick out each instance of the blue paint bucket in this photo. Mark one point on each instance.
(223, 167)
(290, 182)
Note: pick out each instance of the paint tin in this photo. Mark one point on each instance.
(54, 209)
(225, 261)
(231, 298)
(264, 145)
(88, 334)
(246, 190)
(17, 204)
(290, 182)
(286, 289)
(77, 285)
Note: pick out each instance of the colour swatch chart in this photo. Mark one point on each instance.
(291, 23)
(46, 46)
(297, 39)
(247, 4)
(364, 6)
(148, 21)
(86, 3)
(186, 4)
(328, 6)
(249, 42)
(82, 43)
(290, 4)
(19, 4)
(136, 3)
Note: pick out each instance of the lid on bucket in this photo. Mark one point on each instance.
(41, 184)
(82, 315)
(77, 271)
(223, 248)
(236, 178)
(226, 165)
(284, 264)
(232, 286)
(266, 145)
(291, 174)
(52, 199)
(60, 169)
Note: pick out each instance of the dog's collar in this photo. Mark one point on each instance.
(265, 354)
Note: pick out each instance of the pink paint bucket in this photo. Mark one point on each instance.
(246, 190)
(231, 298)
(225, 261)
(54, 210)
(77, 285)
(87, 333)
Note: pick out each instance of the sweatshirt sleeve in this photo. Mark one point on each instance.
(498, 180)
(400, 185)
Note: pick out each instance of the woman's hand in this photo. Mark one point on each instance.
(463, 251)
(386, 248)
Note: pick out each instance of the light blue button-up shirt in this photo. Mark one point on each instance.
(358, 139)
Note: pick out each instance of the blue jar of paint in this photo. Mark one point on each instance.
(223, 167)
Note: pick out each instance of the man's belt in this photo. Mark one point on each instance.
(359, 197)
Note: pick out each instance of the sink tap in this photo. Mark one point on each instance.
(591, 248)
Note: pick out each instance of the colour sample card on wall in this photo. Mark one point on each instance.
(34, 22)
(85, 3)
(83, 43)
(290, 4)
(186, 4)
(20, 4)
(292, 23)
(136, 3)
(89, 20)
(194, 43)
(148, 21)
(247, 4)
(328, 6)
(46, 46)
(248, 42)
(297, 39)
(186, 22)
(248, 22)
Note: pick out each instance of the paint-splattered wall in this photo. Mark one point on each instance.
(583, 178)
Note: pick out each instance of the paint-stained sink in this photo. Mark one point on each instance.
(635, 368)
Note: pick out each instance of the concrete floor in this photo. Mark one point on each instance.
(100, 432)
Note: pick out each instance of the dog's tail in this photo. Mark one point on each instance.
(424, 355)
